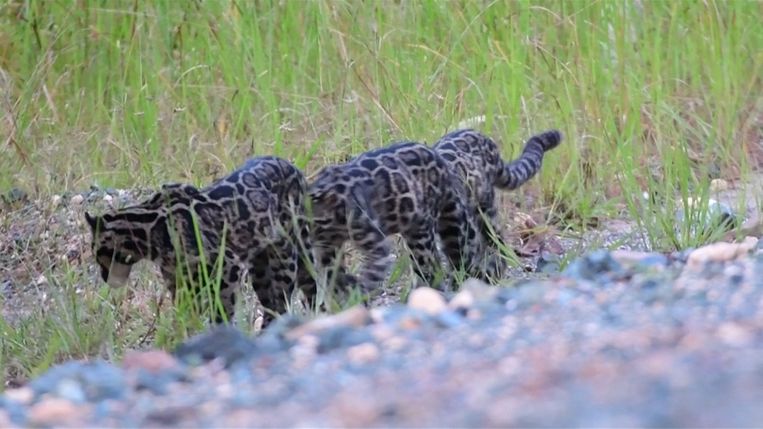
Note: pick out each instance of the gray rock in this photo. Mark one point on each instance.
(718, 216)
(82, 381)
(16, 412)
(225, 342)
(593, 266)
(15, 196)
(342, 337)
(548, 263)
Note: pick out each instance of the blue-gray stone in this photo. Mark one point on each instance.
(342, 337)
(16, 412)
(224, 342)
(96, 380)
(593, 265)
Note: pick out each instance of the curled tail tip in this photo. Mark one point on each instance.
(550, 139)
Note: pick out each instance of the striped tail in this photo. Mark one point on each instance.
(522, 169)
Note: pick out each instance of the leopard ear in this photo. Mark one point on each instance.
(91, 220)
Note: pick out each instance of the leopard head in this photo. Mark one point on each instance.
(122, 238)
(327, 192)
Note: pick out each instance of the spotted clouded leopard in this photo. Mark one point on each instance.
(475, 158)
(404, 188)
(255, 215)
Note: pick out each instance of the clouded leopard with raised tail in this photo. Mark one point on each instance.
(476, 159)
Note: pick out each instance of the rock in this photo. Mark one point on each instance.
(94, 381)
(592, 265)
(76, 200)
(631, 258)
(735, 335)
(55, 200)
(363, 353)
(108, 199)
(15, 195)
(353, 317)
(224, 342)
(5, 420)
(153, 361)
(341, 336)
(427, 300)
(153, 370)
(22, 395)
(449, 319)
(720, 252)
(717, 215)
(463, 300)
(717, 185)
(71, 390)
(548, 262)
(54, 412)
(17, 413)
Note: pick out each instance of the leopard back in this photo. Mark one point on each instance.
(405, 188)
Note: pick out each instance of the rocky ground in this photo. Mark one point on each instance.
(618, 339)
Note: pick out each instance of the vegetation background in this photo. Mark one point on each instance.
(652, 96)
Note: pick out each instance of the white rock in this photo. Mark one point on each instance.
(719, 252)
(717, 185)
(77, 200)
(427, 300)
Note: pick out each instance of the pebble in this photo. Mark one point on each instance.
(717, 215)
(5, 420)
(352, 317)
(548, 262)
(719, 252)
(22, 395)
(734, 335)
(77, 200)
(640, 259)
(15, 195)
(363, 353)
(462, 300)
(718, 185)
(55, 200)
(15, 411)
(224, 342)
(54, 412)
(341, 337)
(98, 380)
(427, 300)
(152, 361)
(592, 265)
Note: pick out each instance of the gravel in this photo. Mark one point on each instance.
(618, 339)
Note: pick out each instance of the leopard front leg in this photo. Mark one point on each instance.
(330, 265)
(494, 265)
(274, 278)
(461, 238)
(187, 282)
(421, 241)
(368, 237)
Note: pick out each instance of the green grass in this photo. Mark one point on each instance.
(656, 97)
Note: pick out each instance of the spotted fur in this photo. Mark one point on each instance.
(405, 188)
(255, 216)
(476, 160)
